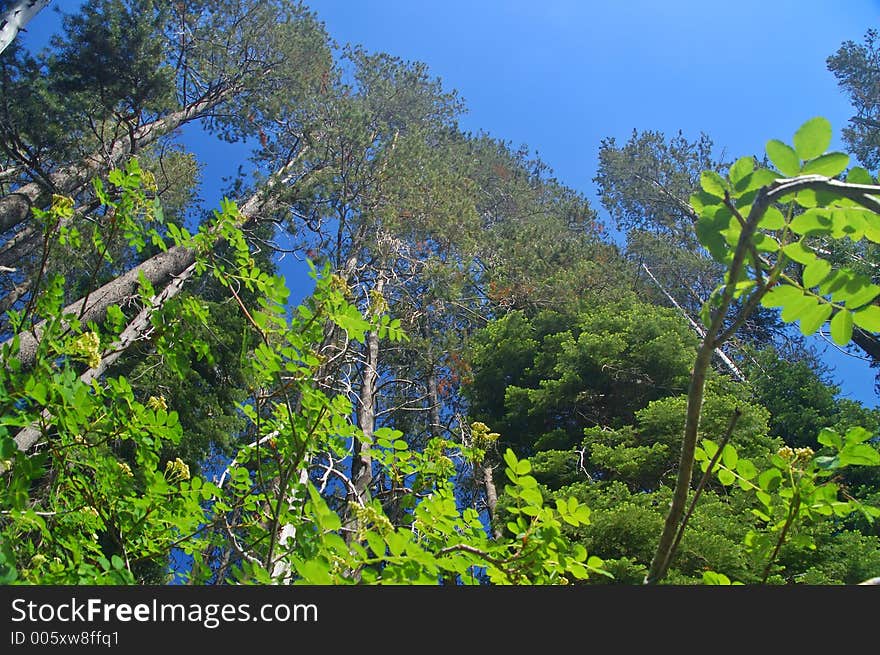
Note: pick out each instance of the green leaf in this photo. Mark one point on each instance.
(807, 198)
(858, 175)
(523, 467)
(857, 434)
(848, 223)
(829, 165)
(812, 138)
(701, 201)
(740, 172)
(798, 252)
(781, 295)
(725, 477)
(765, 243)
(710, 447)
(842, 327)
(767, 478)
(868, 318)
(746, 469)
(816, 272)
(772, 219)
(760, 178)
(794, 310)
(829, 437)
(510, 459)
(729, 457)
(814, 319)
(859, 454)
(713, 184)
(315, 572)
(7, 447)
(377, 544)
(396, 542)
(783, 157)
(812, 221)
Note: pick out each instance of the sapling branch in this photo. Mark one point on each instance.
(715, 336)
(703, 480)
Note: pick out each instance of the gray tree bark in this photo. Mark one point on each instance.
(15, 207)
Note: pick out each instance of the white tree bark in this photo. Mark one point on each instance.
(19, 15)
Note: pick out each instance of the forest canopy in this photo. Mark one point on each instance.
(484, 385)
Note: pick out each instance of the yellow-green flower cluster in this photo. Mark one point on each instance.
(482, 435)
(62, 206)
(87, 347)
(378, 304)
(796, 455)
(176, 470)
(157, 402)
(125, 468)
(367, 515)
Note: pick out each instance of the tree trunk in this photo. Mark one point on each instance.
(868, 343)
(135, 330)
(362, 462)
(15, 207)
(158, 270)
(19, 15)
(433, 403)
(491, 497)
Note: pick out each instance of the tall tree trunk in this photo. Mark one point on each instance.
(18, 16)
(868, 343)
(433, 402)
(134, 331)
(158, 270)
(362, 462)
(15, 207)
(491, 496)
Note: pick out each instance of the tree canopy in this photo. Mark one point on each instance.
(483, 385)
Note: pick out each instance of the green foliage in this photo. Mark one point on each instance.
(596, 368)
(763, 259)
(100, 504)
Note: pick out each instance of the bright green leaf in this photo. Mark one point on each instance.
(740, 172)
(812, 221)
(798, 252)
(746, 469)
(868, 318)
(858, 175)
(816, 272)
(713, 184)
(814, 319)
(783, 157)
(829, 437)
(857, 434)
(859, 454)
(812, 138)
(772, 219)
(842, 327)
(781, 295)
(729, 456)
(829, 165)
(796, 309)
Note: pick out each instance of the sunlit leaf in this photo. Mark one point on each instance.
(812, 138)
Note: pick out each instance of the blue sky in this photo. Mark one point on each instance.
(561, 75)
